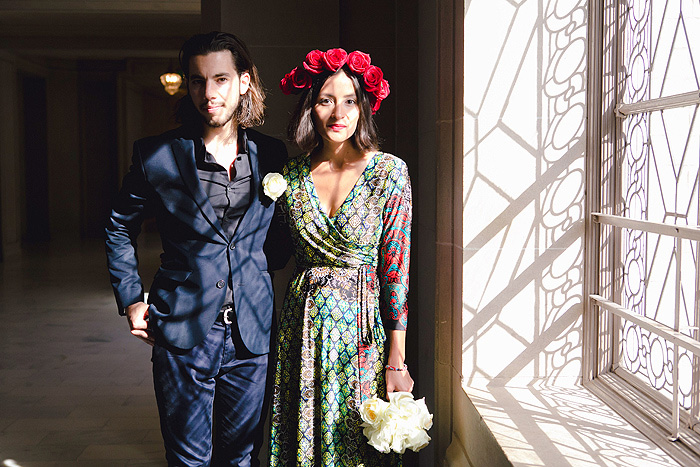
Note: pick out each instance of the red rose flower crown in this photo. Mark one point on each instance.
(359, 63)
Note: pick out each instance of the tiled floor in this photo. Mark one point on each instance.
(76, 390)
(75, 386)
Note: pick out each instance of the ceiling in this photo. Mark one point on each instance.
(96, 29)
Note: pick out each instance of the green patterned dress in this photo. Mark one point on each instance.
(350, 284)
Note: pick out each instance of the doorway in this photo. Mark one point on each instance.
(36, 172)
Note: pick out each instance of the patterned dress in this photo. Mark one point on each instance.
(350, 284)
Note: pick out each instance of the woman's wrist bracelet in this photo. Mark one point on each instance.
(393, 368)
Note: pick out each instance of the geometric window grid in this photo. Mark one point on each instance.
(645, 212)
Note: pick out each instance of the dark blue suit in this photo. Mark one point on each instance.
(189, 288)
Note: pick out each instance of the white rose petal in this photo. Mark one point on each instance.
(377, 438)
(417, 439)
(397, 425)
(399, 397)
(372, 410)
(274, 185)
(401, 405)
(387, 432)
(400, 437)
(424, 419)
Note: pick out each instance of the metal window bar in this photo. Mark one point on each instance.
(673, 335)
(616, 32)
(678, 231)
(675, 432)
(623, 110)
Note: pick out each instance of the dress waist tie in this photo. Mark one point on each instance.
(364, 297)
(366, 316)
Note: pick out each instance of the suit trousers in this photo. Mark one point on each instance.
(210, 400)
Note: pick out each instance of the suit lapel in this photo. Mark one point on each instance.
(252, 212)
(183, 150)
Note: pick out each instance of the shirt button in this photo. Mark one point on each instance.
(220, 284)
(232, 246)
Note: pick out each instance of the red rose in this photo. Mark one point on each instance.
(334, 59)
(286, 84)
(314, 62)
(376, 102)
(300, 78)
(358, 62)
(373, 78)
(383, 90)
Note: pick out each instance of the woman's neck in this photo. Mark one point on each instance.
(339, 155)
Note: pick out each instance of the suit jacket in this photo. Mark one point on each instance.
(189, 288)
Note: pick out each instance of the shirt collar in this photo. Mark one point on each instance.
(202, 155)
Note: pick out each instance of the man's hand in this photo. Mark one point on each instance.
(137, 314)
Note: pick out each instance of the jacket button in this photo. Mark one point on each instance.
(220, 284)
(232, 246)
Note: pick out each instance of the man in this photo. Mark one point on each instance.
(210, 304)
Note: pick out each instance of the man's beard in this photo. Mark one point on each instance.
(217, 121)
(213, 123)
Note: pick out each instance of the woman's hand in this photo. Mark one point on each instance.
(398, 381)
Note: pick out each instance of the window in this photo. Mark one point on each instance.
(642, 341)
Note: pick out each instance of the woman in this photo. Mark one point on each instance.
(349, 211)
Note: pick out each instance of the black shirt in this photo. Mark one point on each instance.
(229, 198)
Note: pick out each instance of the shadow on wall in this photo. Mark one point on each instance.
(577, 426)
(523, 255)
(523, 207)
(524, 190)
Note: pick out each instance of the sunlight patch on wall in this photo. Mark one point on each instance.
(524, 190)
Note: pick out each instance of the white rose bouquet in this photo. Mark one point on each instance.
(274, 185)
(398, 424)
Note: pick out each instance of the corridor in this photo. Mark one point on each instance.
(75, 387)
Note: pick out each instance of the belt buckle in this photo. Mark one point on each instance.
(226, 310)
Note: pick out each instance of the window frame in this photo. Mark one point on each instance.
(671, 428)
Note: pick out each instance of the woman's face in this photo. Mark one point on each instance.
(336, 111)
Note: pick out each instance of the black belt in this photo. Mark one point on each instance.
(225, 314)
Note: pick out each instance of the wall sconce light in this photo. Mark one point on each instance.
(171, 82)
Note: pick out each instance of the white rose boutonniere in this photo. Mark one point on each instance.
(274, 185)
(397, 425)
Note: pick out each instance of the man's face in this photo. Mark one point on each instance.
(215, 87)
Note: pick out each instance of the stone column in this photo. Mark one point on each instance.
(10, 164)
(63, 154)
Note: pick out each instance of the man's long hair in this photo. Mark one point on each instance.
(251, 107)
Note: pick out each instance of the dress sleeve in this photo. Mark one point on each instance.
(394, 251)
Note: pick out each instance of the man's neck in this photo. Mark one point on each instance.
(222, 143)
(220, 136)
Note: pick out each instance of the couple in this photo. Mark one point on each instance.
(229, 208)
